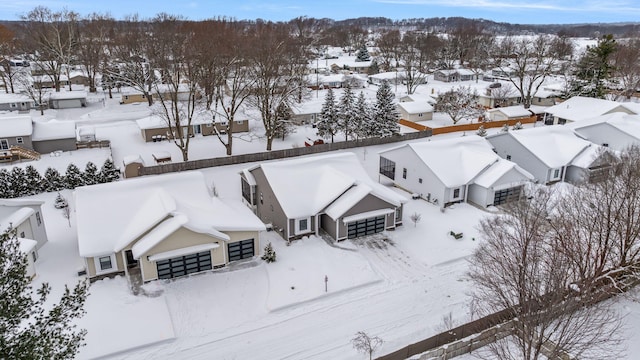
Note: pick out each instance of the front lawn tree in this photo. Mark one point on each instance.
(385, 113)
(365, 343)
(30, 328)
(459, 103)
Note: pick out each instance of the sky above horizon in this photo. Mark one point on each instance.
(511, 11)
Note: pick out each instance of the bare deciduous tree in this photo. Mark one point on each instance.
(459, 103)
(415, 218)
(364, 343)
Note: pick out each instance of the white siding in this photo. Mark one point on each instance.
(505, 146)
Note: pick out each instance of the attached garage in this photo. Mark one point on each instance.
(184, 265)
(364, 227)
(241, 250)
(506, 195)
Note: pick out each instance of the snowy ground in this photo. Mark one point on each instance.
(398, 285)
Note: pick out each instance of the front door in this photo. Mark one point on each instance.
(131, 262)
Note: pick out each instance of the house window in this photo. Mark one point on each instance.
(38, 218)
(398, 215)
(508, 157)
(456, 193)
(246, 192)
(261, 198)
(126, 97)
(420, 181)
(34, 256)
(555, 174)
(388, 168)
(20, 140)
(605, 144)
(105, 263)
(22, 235)
(208, 125)
(404, 173)
(420, 115)
(562, 121)
(13, 105)
(4, 144)
(303, 225)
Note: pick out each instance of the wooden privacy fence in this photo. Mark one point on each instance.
(486, 124)
(276, 154)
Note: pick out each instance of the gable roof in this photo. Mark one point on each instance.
(15, 218)
(497, 170)
(629, 124)
(159, 122)
(128, 209)
(455, 161)
(512, 111)
(306, 186)
(579, 108)
(16, 125)
(414, 107)
(53, 130)
(555, 145)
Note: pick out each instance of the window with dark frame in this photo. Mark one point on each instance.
(404, 173)
(456, 193)
(303, 224)
(387, 168)
(105, 262)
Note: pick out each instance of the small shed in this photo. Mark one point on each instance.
(54, 135)
(162, 157)
(132, 165)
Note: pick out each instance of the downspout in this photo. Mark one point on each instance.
(564, 172)
(317, 225)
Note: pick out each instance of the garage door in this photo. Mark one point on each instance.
(506, 195)
(240, 250)
(183, 265)
(365, 227)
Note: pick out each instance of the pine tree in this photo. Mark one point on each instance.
(269, 254)
(19, 182)
(347, 112)
(595, 68)
(35, 182)
(90, 175)
(482, 131)
(505, 128)
(73, 177)
(6, 191)
(27, 329)
(54, 181)
(283, 125)
(108, 172)
(328, 125)
(362, 126)
(363, 53)
(517, 126)
(385, 113)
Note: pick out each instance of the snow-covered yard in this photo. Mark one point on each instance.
(397, 285)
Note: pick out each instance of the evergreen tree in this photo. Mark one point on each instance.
(73, 177)
(108, 172)
(91, 175)
(374, 68)
(6, 191)
(482, 131)
(385, 113)
(27, 329)
(517, 126)
(283, 125)
(347, 112)
(19, 182)
(328, 124)
(54, 181)
(595, 68)
(505, 128)
(362, 126)
(363, 53)
(269, 254)
(35, 182)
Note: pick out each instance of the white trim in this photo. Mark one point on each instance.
(299, 231)
(182, 252)
(114, 264)
(369, 214)
(552, 177)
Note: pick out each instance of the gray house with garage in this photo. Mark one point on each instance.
(330, 193)
(161, 227)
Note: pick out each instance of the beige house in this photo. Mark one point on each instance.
(415, 111)
(161, 227)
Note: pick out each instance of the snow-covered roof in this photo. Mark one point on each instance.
(414, 107)
(14, 98)
(68, 95)
(580, 108)
(387, 75)
(497, 170)
(15, 125)
(629, 124)
(587, 157)
(53, 130)
(512, 111)
(306, 186)
(555, 146)
(15, 218)
(129, 159)
(455, 161)
(26, 245)
(110, 216)
(323, 79)
(158, 122)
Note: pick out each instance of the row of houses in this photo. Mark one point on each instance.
(55, 100)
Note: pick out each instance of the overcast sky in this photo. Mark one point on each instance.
(512, 11)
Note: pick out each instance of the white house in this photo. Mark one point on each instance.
(415, 111)
(161, 227)
(616, 131)
(515, 112)
(548, 152)
(25, 216)
(454, 170)
(580, 108)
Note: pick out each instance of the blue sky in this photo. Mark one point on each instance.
(512, 11)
